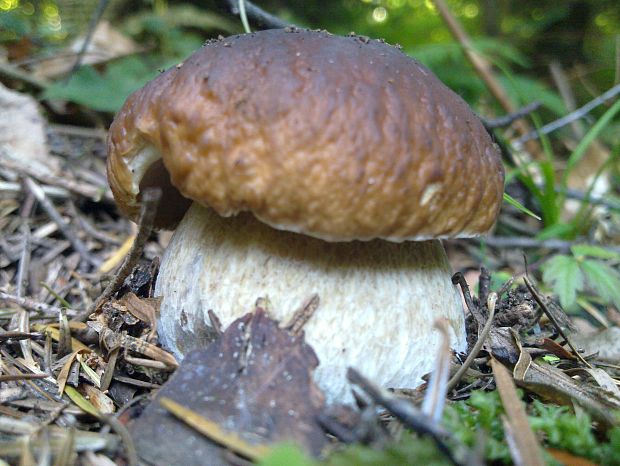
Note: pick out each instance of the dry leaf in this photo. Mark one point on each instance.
(524, 447)
(100, 401)
(606, 343)
(63, 375)
(255, 382)
(142, 309)
(501, 344)
(553, 384)
(22, 131)
(105, 44)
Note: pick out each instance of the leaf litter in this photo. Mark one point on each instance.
(83, 378)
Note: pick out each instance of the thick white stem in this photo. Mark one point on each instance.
(378, 300)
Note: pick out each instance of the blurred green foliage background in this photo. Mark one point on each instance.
(521, 37)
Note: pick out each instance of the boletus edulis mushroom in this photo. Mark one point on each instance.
(314, 165)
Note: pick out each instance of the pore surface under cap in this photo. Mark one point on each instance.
(336, 137)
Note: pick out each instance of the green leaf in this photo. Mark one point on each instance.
(81, 402)
(513, 202)
(525, 89)
(104, 92)
(590, 250)
(557, 230)
(603, 279)
(565, 277)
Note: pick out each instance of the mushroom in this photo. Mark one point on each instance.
(315, 165)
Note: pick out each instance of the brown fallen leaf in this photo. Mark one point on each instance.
(144, 309)
(605, 343)
(100, 401)
(555, 349)
(64, 372)
(501, 344)
(553, 384)
(254, 382)
(106, 44)
(556, 385)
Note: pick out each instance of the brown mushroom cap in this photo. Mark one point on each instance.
(335, 137)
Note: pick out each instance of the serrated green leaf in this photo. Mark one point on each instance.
(565, 277)
(590, 250)
(603, 279)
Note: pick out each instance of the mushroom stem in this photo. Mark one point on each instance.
(378, 299)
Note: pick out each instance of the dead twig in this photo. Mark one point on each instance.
(148, 209)
(24, 260)
(79, 131)
(137, 382)
(96, 193)
(482, 336)
(562, 83)
(567, 119)
(31, 304)
(65, 228)
(92, 26)
(15, 336)
(13, 377)
(553, 320)
(88, 228)
(23, 317)
(481, 65)
(303, 315)
(332, 427)
(592, 199)
(509, 119)
(484, 285)
(10, 187)
(459, 279)
(435, 399)
(404, 411)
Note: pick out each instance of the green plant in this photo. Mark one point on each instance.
(469, 422)
(565, 430)
(171, 33)
(550, 193)
(479, 415)
(586, 267)
(105, 91)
